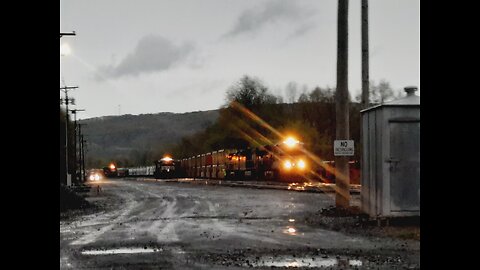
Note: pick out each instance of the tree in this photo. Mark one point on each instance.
(303, 98)
(385, 91)
(250, 92)
(380, 93)
(322, 94)
(291, 92)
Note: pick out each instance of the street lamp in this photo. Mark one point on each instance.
(65, 49)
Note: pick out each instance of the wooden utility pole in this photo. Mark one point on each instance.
(83, 158)
(342, 176)
(365, 77)
(67, 101)
(81, 142)
(75, 159)
(365, 71)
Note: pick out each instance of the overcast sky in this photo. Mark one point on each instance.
(150, 56)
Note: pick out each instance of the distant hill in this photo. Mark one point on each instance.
(139, 138)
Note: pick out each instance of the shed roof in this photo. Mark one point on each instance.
(409, 100)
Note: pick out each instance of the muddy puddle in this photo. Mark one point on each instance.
(311, 261)
(120, 251)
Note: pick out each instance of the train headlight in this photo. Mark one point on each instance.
(287, 164)
(94, 177)
(301, 164)
(291, 142)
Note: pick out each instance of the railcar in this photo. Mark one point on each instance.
(328, 176)
(122, 172)
(141, 171)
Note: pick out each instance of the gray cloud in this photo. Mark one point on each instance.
(301, 30)
(271, 12)
(152, 53)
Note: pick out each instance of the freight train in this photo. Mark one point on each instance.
(286, 161)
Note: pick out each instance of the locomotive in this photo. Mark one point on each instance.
(110, 171)
(286, 161)
(165, 168)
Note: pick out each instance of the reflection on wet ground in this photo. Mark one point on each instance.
(290, 261)
(120, 251)
(290, 230)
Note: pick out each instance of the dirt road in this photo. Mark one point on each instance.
(165, 225)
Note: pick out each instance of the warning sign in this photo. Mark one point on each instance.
(343, 148)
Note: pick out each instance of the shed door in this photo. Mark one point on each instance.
(404, 166)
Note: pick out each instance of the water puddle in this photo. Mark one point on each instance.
(120, 251)
(290, 230)
(289, 261)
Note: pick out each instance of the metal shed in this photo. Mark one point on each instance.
(391, 158)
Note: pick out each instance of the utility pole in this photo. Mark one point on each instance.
(81, 152)
(83, 157)
(67, 101)
(365, 68)
(74, 112)
(365, 76)
(342, 176)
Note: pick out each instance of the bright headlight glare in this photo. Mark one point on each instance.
(287, 164)
(301, 164)
(290, 142)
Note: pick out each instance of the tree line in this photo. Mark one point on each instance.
(253, 116)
